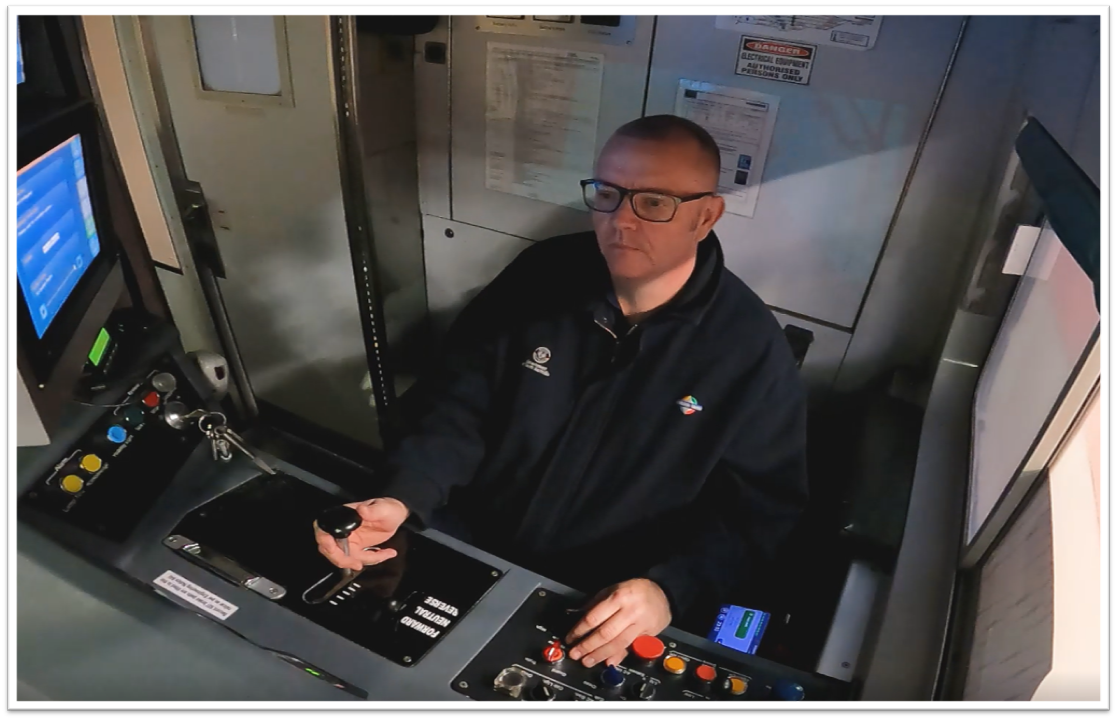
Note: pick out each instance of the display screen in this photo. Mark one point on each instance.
(739, 628)
(56, 237)
(19, 57)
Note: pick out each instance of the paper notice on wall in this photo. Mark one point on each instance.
(541, 121)
(741, 122)
(857, 32)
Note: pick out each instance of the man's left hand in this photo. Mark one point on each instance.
(617, 616)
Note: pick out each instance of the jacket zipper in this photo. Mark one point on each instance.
(607, 415)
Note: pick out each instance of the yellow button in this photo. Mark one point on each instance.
(72, 484)
(674, 664)
(737, 686)
(91, 463)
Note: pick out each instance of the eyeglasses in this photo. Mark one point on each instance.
(604, 197)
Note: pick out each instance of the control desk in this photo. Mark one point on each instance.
(440, 621)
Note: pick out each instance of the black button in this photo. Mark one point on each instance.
(602, 20)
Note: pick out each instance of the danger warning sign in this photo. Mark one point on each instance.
(775, 60)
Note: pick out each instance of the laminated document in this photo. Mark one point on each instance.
(541, 110)
(741, 122)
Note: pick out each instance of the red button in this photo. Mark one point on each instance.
(647, 647)
(553, 652)
(151, 399)
(705, 673)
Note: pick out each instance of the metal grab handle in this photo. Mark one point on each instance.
(225, 567)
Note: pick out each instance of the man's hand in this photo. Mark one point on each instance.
(617, 616)
(380, 518)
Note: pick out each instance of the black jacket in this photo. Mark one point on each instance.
(591, 452)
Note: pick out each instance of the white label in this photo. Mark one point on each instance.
(444, 607)
(196, 595)
(775, 60)
(855, 32)
(1020, 252)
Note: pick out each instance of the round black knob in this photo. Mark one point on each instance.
(643, 691)
(339, 521)
(542, 692)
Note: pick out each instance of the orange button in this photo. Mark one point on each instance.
(674, 664)
(705, 673)
(737, 686)
(151, 399)
(647, 647)
(91, 463)
(72, 484)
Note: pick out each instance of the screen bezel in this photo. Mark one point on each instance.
(45, 352)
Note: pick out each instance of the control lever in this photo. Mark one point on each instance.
(338, 522)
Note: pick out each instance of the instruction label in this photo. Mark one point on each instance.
(777, 60)
(195, 595)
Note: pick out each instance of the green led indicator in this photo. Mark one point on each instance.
(315, 673)
(98, 352)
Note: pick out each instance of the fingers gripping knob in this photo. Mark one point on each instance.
(340, 522)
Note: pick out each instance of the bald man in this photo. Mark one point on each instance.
(616, 410)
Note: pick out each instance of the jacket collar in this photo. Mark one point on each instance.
(690, 304)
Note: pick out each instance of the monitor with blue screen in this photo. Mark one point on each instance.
(19, 57)
(739, 628)
(56, 236)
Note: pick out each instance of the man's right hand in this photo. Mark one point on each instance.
(380, 518)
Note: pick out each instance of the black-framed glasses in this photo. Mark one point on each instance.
(601, 196)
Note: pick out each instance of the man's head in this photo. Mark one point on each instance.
(664, 154)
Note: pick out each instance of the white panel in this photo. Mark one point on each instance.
(951, 197)
(842, 148)
(458, 267)
(116, 99)
(851, 620)
(238, 53)
(271, 177)
(621, 101)
(1044, 334)
(29, 426)
(432, 124)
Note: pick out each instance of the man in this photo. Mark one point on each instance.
(615, 410)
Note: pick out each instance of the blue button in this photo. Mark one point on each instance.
(117, 434)
(611, 677)
(788, 690)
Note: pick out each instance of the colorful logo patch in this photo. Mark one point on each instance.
(689, 405)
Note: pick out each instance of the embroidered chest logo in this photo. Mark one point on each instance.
(538, 360)
(689, 405)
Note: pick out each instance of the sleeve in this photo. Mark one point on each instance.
(446, 410)
(753, 498)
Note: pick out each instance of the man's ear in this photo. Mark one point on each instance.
(711, 213)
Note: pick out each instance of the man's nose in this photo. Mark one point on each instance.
(624, 216)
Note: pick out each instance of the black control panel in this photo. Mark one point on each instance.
(112, 475)
(527, 660)
(399, 609)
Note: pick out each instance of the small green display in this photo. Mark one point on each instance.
(97, 354)
(315, 673)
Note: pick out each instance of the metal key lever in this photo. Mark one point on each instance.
(238, 442)
(339, 522)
